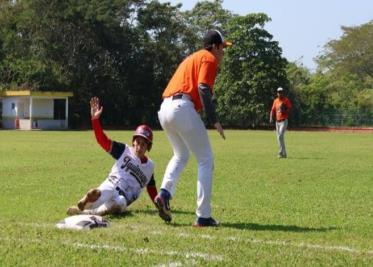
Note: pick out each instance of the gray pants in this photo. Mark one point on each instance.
(280, 131)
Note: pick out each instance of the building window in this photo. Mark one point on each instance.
(59, 109)
(13, 106)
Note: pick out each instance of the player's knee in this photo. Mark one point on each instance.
(182, 158)
(115, 209)
(120, 202)
(93, 194)
(207, 161)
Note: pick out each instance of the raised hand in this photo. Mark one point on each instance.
(96, 108)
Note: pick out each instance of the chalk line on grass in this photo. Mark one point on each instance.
(287, 243)
(140, 251)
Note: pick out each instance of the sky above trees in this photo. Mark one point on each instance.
(302, 27)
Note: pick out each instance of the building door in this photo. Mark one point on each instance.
(59, 109)
(21, 110)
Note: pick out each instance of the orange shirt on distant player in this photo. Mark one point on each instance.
(281, 107)
(200, 67)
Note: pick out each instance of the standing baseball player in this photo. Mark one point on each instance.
(189, 91)
(280, 111)
(131, 172)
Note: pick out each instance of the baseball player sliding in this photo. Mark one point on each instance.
(189, 90)
(131, 172)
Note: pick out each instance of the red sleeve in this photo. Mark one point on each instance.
(101, 138)
(152, 191)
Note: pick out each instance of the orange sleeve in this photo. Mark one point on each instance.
(288, 104)
(207, 73)
(273, 109)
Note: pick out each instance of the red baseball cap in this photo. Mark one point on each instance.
(145, 132)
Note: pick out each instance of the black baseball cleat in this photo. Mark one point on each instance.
(206, 222)
(163, 205)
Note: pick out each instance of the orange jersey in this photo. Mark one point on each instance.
(281, 107)
(200, 67)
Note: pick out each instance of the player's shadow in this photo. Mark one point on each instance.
(305, 158)
(239, 226)
(151, 212)
(275, 227)
(125, 214)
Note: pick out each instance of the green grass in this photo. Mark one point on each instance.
(313, 209)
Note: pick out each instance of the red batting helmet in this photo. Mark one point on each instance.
(145, 132)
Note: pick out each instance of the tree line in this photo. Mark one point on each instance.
(125, 51)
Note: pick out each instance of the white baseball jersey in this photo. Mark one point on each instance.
(128, 172)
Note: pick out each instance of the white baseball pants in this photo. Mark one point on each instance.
(108, 200)
(186, 132)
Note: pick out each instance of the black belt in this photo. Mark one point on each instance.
(178, 96)
(281, 120)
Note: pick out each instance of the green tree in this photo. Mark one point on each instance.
(299, 77)
(252, 69)
(347, 65)
(22, 64)
(316, 101)
(206, 15)
(164, 42)
(353, 53)
(90, 47)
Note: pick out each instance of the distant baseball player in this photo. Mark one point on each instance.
(280, 111)
(131, 172)
(189, 91)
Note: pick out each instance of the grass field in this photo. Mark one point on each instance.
(313, 209)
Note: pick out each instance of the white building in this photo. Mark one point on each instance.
(28, 110)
